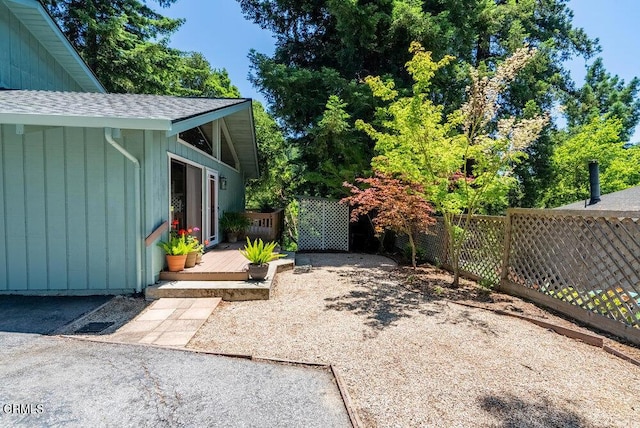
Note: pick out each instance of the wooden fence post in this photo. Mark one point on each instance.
(506, 248)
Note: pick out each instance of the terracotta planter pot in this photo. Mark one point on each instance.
(258, 272)
(176, 263)
(191, 259)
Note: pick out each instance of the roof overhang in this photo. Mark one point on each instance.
(38, 21)
(182, 125)
(239, 118)
(171, 127)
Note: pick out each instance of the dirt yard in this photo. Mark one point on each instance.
(411, 356)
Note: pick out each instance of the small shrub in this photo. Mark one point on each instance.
(421, 254)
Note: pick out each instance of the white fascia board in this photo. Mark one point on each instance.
(192, 122)
(85, 121)
(254, 143)
(57, 33)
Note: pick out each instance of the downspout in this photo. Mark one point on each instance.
(137, 192)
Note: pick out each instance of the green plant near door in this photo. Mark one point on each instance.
(259, 255)
(176, 250)
(233, 223)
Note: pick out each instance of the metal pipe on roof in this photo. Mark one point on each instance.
(594, 182)
(108, 135)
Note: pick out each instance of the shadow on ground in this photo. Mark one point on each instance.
(385, 296)
(107, 319)
(44, 315)
(514, 412)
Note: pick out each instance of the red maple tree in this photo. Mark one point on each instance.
(393, 203)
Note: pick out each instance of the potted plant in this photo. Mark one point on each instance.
(176, 250)
(259, 255)
(193, 242)
(233, 223)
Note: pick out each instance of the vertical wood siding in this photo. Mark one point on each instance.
(25, 63)
(67, 212)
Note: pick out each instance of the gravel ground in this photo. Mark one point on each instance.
(411, 356)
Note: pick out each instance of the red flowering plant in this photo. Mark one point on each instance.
(187, 234)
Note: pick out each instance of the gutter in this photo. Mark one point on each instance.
(108, 135)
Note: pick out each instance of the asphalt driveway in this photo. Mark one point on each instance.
(59, 381)
(43, 315)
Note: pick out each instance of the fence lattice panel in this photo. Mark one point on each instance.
(587, 260)
(323, 224)
(482, 249)
(434, 243)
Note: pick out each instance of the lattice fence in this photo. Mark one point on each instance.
(323, 224)
(576, 262)
(482, 250)
(483, 247)
(591, 261)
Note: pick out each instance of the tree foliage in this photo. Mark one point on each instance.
(597, 140)
(464, 159)
(392, 203)
(278, 174)
(126, 45)
(327, 47)
(606, 96)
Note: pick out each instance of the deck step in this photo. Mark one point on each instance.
(203, 276)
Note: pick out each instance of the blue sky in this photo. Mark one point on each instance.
(218, 30)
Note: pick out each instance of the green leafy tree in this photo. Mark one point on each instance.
(278, 174)
(126, 44)
(597, 140)
(606, 96)
(328, 47)
(464, 160)
(337, 153)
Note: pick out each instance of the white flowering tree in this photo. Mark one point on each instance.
(464, 160)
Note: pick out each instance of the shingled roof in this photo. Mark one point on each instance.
(623, 200)
(90, 109)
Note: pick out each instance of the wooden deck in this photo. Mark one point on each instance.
(223, 263)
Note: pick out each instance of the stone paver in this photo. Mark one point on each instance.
(168, 322)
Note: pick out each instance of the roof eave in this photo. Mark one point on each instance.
(85, 121)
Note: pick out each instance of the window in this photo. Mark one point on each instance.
(197, 139)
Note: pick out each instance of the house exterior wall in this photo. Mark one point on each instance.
(25, 63)
(67, 208)
(67, 220)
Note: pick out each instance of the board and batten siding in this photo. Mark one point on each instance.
(67, 212)
(25, 63)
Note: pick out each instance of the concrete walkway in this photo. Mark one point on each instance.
(167, 322)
